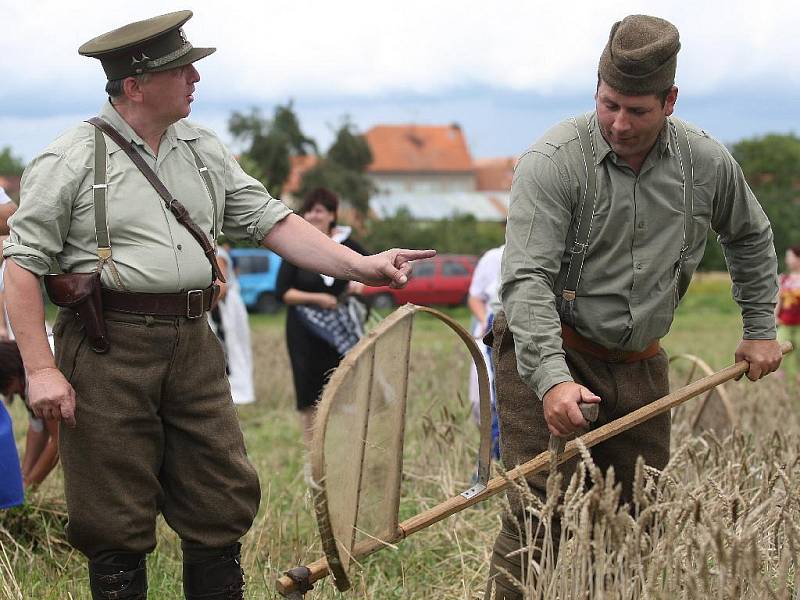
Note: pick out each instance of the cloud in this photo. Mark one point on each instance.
(273, 50)
(504, 69)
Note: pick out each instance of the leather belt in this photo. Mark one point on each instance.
(574, 340)
(192, 304)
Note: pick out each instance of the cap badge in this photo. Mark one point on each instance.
(143, 58)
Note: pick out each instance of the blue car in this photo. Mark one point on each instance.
(257, 269)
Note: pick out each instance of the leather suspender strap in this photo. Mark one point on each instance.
(176, 208)
(99, 197)
(203, 170)
(580, 242)
(687, 169)
(100, 203)
(687, 172)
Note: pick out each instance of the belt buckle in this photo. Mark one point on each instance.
(193, 297)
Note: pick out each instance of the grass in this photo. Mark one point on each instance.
(753, 471)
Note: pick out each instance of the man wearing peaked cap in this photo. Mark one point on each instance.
(138, 379)
(608, 220)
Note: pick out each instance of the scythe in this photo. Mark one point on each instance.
(363, 411)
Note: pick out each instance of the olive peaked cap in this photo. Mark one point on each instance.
(148, 46)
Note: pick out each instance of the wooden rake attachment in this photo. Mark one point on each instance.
(714, 411)
(357, 450)
(344, 538)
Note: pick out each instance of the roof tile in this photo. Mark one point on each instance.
(418, 148)
(494, 174)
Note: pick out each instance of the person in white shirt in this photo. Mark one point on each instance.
(482, 302)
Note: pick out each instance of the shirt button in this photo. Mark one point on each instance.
(638, 266)
(180, 247)
(640, 225)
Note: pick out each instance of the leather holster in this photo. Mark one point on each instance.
(81, 292)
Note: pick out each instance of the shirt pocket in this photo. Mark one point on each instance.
(702, 202)
(702, 214)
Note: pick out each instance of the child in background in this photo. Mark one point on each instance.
(788, 312)
(10, 474)
(41, 444)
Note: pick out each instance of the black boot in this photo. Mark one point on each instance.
(118, 576)
(213, 573)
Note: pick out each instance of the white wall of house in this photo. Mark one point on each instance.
(389, 183)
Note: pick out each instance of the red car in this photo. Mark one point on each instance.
(443, 279)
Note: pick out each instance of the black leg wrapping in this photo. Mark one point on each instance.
(213, 573)
(118, 576)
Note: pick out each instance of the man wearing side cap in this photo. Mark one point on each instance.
(608, 221)
(151, 426)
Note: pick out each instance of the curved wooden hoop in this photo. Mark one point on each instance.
(699, 363)
(317, 455)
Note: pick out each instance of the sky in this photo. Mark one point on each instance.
(505, 71)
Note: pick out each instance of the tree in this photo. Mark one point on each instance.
(769, 161)
(10, 164)
(343, 169)
(459, 234)
(771, 165)
(272, 143)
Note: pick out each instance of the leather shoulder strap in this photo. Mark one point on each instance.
(175, 207)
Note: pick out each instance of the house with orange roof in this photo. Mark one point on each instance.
(427, 170)
(494, 174)
(420, 158)
(300, 164)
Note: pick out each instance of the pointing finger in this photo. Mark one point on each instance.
(407, 255)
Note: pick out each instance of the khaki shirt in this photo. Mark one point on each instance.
(152, 252)
(633, 276)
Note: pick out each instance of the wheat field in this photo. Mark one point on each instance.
(721, 521)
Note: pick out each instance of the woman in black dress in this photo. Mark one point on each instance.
(313, 358)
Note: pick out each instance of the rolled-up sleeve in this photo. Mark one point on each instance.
(538, 221)
(250, 212)
(41, 224)
(746, 237)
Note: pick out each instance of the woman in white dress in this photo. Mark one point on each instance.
(230, 322)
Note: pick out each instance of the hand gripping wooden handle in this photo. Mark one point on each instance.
(590, 411)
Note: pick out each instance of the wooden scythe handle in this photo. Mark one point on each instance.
(319, 568)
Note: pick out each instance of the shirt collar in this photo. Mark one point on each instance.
(184, 131)
(665, 143)
(109, 114)
(177, 131)
(601, 147)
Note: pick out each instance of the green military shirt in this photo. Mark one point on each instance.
(634, 274)
(152, 252)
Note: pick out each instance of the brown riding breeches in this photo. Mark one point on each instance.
(623, 388)
(156, 432)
